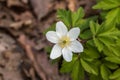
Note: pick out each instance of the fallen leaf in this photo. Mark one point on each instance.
(6, 42)
(41, 7)
(14, 3)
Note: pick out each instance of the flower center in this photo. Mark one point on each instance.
(64, 41)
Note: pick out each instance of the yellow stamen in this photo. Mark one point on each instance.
(64, 41)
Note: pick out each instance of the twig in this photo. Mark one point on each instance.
(84, 40)
(23, 41)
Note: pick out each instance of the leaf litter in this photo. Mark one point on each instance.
(22, 42)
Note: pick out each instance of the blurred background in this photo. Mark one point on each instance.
(23, 54)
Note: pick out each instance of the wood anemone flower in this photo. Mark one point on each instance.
(65, 42)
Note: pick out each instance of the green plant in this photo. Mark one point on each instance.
(100, 59)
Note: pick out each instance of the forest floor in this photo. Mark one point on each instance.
(23, 54)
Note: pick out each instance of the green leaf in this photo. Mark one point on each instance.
(86, 57)
(77, 16)
(84, 23)
(86, 34)
(74, 67)
(78, 71)
(65, 16)
(105, 72)
(71, 19)
(108, 52)
(113, 59)
(118, 42)
(117, 78)
(111, 65)
(112, 48)
(103, 15)
(103, 35)
(94, 77)
(89, 67)
(68, 66)
(94, 27)
(115, 75)
(107, 4)
(113, 17)
(84, 27)
(91, 42)
(92, 52)
(106, 41)
(115, 49)
(99, 44)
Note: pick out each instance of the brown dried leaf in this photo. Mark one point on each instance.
(14, 3)
(72, 5)
(10, 69)
(60, 5)
(18, 25)
(41, 7)
(6, 42)
(25, 1)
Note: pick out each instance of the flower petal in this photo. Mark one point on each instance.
(61, 29)
(56, 52)
(67, 54)
(74, 33)
(76, 46)
(52, 36)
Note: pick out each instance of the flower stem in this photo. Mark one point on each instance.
(83, 41)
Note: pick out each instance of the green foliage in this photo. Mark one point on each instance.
(89, 67)
(103, 36)
(107, 4)
(113, 16)
(113, 8)
(77, 16)
(71, 19)
(77, 71)
(105, 72)
(86, 34)
(67, 66)
(100, 36)
(65, 16)
(113, 59)
(94, 77)
(84, 27)
(91, 52)
(111, 65)
(101, 54)
(115, 75)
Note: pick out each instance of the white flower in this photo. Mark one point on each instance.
(65, 42)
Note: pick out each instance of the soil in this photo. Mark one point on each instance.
(23, 54)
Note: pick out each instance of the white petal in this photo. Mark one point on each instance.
(56, 52)
(61, 29)
(74, 33)
(67, 54)
(76, 46)
(52, 36)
